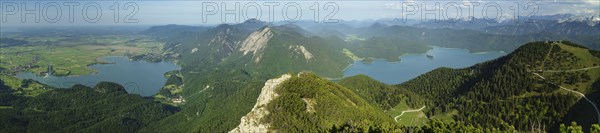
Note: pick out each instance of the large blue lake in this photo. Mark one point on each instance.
(413, 65)
(138, 77)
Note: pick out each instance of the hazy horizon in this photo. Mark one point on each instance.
(82, 13)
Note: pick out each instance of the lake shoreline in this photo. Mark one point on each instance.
(139, 77)
(413, 65)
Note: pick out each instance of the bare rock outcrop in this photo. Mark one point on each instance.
(256, 43)
(251, 123)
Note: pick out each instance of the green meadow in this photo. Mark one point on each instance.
(72, 56)
(409, 118)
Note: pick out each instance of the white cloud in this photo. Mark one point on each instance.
(593, 2)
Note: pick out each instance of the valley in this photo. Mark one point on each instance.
(66, 55)
(259, 76)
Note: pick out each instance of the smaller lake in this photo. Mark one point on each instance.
(413, 65)
(138, 77)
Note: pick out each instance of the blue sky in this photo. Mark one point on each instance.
(215, 12)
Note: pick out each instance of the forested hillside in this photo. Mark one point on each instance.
(388, 48)
(233, 61)
(309, 103)
(521, 90)
(538, 87)
(105, 108)
(281, 66)
(379, 94)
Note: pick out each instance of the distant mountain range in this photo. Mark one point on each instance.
(474, 34)
(253, 44)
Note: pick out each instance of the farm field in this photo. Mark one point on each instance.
(70, 56)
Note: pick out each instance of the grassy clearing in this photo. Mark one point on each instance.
(582, 59)
(352, 38)
(25, 88)
(586, 60)
(351, 55)
(164, 100)
(417, 118)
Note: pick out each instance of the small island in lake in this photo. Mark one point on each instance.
(430, 56)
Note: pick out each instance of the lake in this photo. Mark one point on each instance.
(138, 77)
(413, 65)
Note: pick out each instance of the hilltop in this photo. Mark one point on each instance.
(306, 102)
(538, 87)
(529, 89)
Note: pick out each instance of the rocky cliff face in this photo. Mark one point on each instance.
(256, 42)
(224, 43)
(301, 50)
(251, 123)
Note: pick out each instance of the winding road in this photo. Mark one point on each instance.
(561, 87)
(581, 94)
(414, 110)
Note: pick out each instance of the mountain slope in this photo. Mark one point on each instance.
(286, 48)
(215, 102)
(223, 70)
(105, 108)
(251, 122)
(277, 50)
(308, 103)
(477, 41)
(388, 48)
(379, 94)
(507, 92)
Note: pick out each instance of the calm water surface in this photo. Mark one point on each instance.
(413, 65)
(138, 77)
